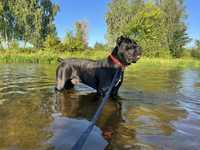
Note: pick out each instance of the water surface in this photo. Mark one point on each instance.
(160, 110)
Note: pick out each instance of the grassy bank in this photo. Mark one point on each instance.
(170, 62)
(50, 57)
(47, 56)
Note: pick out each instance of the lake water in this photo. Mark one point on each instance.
(160, 110)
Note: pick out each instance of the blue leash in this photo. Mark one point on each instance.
(81, 141)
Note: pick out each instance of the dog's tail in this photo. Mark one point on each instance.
(60, 59)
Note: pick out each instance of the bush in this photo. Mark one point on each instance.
(14, 45)
(52, 42)
(100, 46)
(195, 53)
(186, 53)
(72, 43)
(196, 50)
(77, 40)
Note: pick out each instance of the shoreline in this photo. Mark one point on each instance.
(50, 57)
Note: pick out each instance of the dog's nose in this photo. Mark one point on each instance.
(138, 57)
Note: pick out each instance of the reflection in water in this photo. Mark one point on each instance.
(160, 110)
(23, 123)
(66, 129)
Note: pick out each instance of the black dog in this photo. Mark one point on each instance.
(98, 74)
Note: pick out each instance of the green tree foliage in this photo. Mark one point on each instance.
(157, 25)
(195, 52)
(1, 12)
(119, 14)
(81, 33)
(6, 22)
(52, 42)
(27, 20)
(78, 40)
(148, 28)
(174, 21)
(100, 46)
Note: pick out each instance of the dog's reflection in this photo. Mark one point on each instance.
(75, 104)
(78, 107)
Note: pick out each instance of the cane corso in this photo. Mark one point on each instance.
(98, 74)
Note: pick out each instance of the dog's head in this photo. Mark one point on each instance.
(127, 51)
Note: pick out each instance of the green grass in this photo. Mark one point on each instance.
(170, 62)
(50, 57)
(47, 56)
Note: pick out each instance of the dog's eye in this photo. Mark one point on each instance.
(134, 46)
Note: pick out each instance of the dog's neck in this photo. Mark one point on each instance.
(116, 62)
(116, 59)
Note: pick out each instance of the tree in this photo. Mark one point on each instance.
(158, 25)
(100, 46)
(195, 52)
(141, 21)
(148, 28)
(27, 20)
(197, 44)
(174, 18)
(52, 42)
(81, 34)
(77, 40)
(119, 14)
(6, 22)
(49, 11)
(27, 26)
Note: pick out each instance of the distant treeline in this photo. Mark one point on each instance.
(157, 25)
(30, 21)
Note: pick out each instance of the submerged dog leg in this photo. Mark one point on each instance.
(60, 80)
(75, 81)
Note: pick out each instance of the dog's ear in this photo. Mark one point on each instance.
(119, 40)
(60, 59)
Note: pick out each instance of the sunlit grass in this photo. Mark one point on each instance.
(47, 56)
(50, 57)
(181, 62)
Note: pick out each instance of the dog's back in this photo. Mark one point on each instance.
(83, 70)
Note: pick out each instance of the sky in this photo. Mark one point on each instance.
(93, 13)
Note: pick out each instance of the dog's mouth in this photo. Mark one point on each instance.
(133, 59)
(137, 58)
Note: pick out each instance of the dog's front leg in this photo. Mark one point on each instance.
(103, 88)
(114, 93)
(101, 91)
